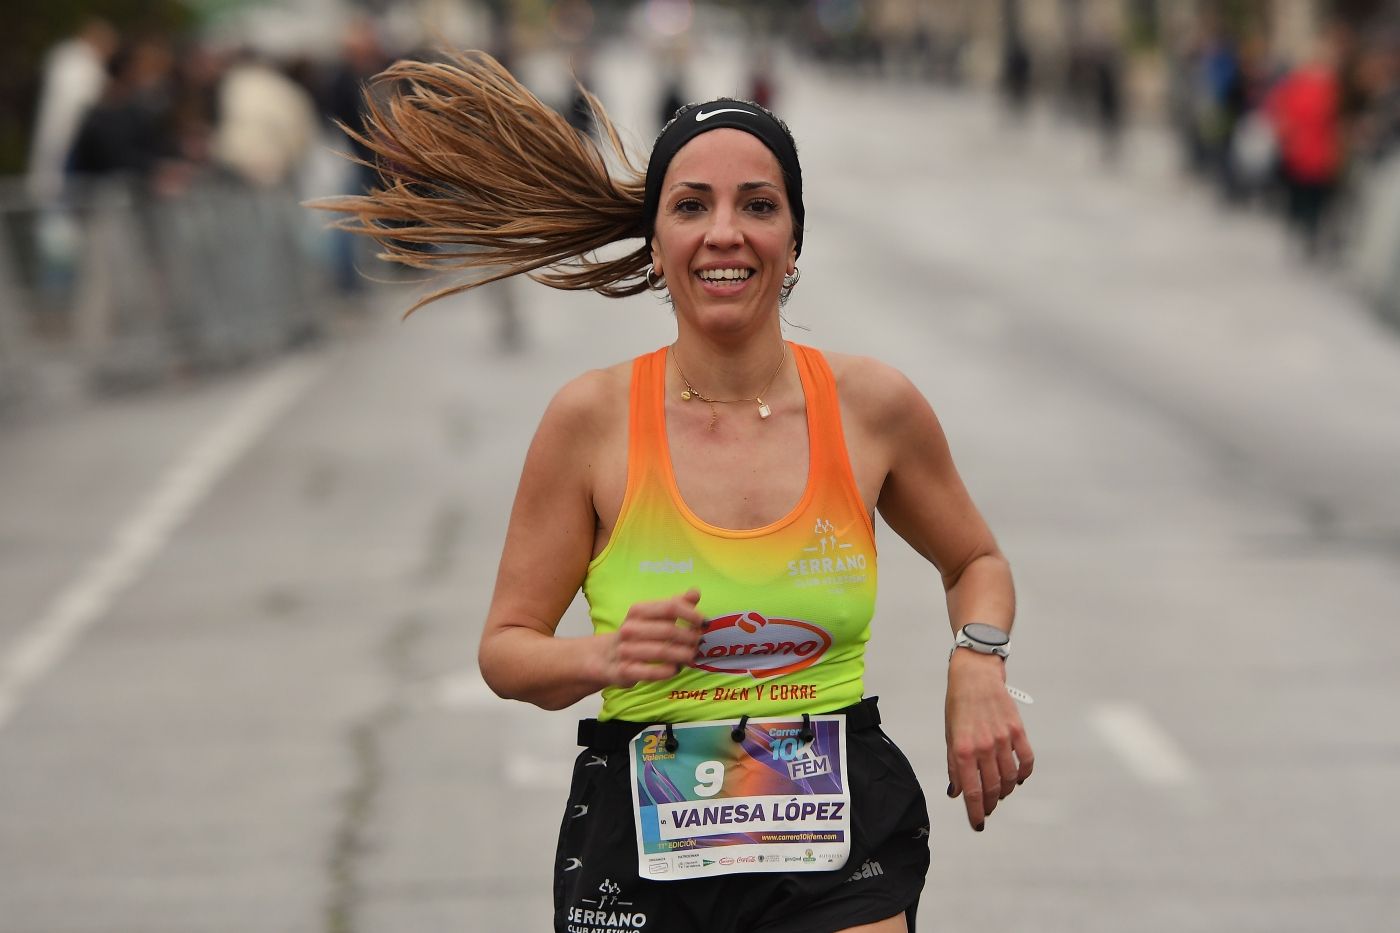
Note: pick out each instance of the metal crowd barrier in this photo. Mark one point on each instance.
(140, 288)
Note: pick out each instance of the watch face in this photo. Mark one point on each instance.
(986, 634)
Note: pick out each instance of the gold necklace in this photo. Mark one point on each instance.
(690, 392)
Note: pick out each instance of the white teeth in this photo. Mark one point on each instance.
(725, 275)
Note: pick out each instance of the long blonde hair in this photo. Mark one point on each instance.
(474, 165)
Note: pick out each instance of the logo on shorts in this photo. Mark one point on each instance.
(606, 913)
(748, 643)
(868, 869)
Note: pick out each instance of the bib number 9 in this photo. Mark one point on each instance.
(710, 774)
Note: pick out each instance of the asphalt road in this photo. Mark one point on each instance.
(237, 637)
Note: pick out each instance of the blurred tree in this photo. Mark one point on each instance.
(28, 36)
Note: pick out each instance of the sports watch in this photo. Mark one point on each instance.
(982, 638)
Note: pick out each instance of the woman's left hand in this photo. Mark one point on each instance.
(988, 751)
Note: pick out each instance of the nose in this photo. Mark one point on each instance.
(724, 229)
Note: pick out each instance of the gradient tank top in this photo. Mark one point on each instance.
(788, 605)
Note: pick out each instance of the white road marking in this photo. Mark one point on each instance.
(1147, 750)
(145, 532)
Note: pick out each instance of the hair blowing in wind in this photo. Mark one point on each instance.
(473, 164)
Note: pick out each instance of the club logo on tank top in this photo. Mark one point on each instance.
(748, 643)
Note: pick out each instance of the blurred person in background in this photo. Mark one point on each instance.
(1375, 132)
(1203, 67)
(1016, 75)
(199, 71)
(1181, 49)
(579, 111)
(362, 57)
(1252, 166)
(75, 74)
(1305, 108)
(266, 124)
(1218, 106)
(502, 27)
(1104, 74)
(636, 475)
(129, 134)
(762, 86)
(672, 91)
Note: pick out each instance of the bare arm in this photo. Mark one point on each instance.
(548, 546)
(924, 500)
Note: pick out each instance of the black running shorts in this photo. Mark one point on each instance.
(597, 888)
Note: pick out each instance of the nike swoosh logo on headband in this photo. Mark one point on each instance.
(701, 116)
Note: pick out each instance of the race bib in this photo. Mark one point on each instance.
(714, 806)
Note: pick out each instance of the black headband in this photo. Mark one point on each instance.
(725, 113)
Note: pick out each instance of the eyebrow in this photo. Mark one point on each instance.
(703, 186)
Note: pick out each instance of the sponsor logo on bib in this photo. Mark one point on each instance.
(748, 643)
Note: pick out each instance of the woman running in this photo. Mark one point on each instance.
(714, 501)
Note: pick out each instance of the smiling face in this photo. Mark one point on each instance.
(724, 232)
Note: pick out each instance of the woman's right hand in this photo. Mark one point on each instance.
(654, 642)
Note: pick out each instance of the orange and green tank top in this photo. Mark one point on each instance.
(788, 606)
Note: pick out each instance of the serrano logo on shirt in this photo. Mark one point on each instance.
(747, 643)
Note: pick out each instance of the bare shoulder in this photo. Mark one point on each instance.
(591, 403)
(596, 407)
(581, 439)
(881, 397)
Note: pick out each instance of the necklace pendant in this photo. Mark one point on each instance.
(685, 394)
(763, 410)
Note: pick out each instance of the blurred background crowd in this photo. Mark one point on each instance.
(154, 153)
